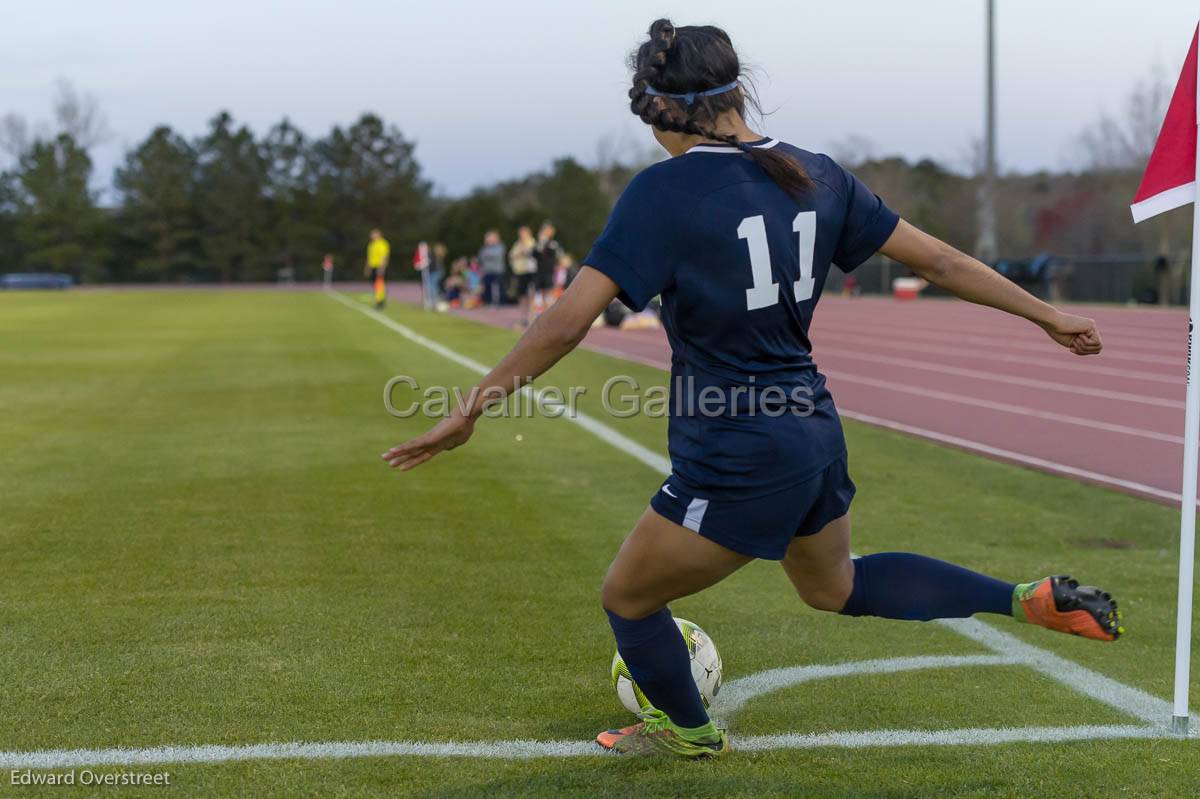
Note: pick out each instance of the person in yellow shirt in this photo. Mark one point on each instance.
(378, 252)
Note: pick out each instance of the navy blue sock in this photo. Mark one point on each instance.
(658, 661)
(898, 585)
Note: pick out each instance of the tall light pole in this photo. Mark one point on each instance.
(986, 246)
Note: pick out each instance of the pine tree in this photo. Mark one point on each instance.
(368, 176)
(230, 202)
(157, 217)
(56, 221)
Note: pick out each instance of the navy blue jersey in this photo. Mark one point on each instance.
(740, 266)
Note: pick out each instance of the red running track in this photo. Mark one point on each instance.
(976, 379)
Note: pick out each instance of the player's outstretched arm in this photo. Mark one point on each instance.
(551, 336)
(971, 280)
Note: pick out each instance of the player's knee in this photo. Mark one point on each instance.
(820, 599)
(828, 591)
(620, 599)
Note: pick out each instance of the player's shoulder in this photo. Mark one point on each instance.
(662, 186)
(662, 175)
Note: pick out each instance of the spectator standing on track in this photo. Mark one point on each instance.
(524, 268)
(327, 269)
(564, 273)
(378, 253)
(491, 261)
(546, 253)
(437, 270)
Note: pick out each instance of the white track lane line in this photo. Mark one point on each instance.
(1010, 455)
(956, 441)
(1165, 344)
(958, 398)
(983, 343)
(1009, 649)
(1075, 364)
(1012, 380)
(1003, 407)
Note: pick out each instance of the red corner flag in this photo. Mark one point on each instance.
(1170, 179)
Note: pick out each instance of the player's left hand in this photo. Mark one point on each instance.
(1076, 333)
(451, 432)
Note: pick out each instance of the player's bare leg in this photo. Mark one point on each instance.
(661, 561)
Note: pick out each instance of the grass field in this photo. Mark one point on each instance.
(200, 546)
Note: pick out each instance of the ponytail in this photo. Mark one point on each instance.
(688, 63)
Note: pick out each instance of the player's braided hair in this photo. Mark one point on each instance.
(694, 59)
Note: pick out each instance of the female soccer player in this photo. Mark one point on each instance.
(737, 233)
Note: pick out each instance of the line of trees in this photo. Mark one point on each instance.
(221, 206)
(228, 205)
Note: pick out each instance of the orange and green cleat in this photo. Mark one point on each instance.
(658, 736)
(609, 737)
(1061, 603)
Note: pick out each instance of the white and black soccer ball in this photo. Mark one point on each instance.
(706, 670)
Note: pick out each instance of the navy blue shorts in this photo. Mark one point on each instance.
(762, 527)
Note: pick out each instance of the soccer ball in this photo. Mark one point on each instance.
(706, 670)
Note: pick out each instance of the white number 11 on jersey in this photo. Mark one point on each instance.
(764, 293)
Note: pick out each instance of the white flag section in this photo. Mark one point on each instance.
(1169, 182)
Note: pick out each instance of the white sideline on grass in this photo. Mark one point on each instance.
(1010, 650)
(610, 436)
(523, 750)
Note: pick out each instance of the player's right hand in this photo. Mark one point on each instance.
(1076, 333)
(451, 432)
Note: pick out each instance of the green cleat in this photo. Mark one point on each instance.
(658, 736)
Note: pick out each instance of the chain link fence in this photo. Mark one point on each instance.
(1143, 278)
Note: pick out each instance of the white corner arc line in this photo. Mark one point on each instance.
(735, 694)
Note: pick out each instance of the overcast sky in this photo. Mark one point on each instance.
(491, 90)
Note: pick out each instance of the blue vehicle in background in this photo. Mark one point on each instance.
(35, 280)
